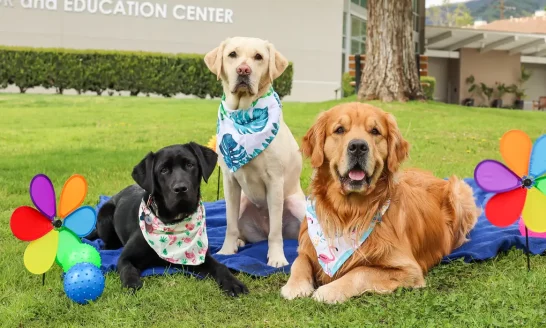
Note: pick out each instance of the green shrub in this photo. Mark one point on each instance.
(26, 70)
(98, 71)
(348, 89)
(4, 73)
(428, 83)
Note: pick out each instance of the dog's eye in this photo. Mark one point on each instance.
(375, 132)
(232, 54)
(258, 57)
(189, 165)
(164, 170)
(339, 130)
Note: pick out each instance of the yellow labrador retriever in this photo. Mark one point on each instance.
(259, 156)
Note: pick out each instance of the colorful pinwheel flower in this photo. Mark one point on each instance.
(52, 237)
(520, 185)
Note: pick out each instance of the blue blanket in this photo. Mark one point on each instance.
(486, 241)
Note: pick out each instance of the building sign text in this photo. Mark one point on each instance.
(146, 9)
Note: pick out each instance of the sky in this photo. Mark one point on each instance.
(429, 3)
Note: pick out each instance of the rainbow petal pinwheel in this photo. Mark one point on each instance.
(52, 234)
(520, 185)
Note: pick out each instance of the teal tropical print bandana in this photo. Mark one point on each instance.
(242, 134)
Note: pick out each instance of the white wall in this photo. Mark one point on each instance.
(536, 86)
(438, 68)
(307, 32)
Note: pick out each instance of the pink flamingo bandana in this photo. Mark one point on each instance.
(184, 242)
(332, 253)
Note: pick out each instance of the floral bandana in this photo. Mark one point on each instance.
(184, 242)
(333, 253)
(243, 134)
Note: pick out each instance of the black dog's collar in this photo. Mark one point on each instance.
(150, 200)
(150, 203)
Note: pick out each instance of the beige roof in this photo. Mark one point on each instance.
(534, 24)
(450, 39)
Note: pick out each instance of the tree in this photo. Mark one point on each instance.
(390, 70)
(447, 15)
(434, 14)
(462, 16)
(440, 15)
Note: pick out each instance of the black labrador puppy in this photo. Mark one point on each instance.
(165, 206)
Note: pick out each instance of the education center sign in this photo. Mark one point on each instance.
(146, 9)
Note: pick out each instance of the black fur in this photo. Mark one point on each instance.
(173, 177)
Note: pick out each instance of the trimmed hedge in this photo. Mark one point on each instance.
(99, 71)
(429, 84)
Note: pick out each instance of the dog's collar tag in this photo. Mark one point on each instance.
(185, 242)
(333, 252)
(243, 134)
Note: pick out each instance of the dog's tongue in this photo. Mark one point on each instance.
(357, 175)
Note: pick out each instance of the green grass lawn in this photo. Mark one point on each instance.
(104, 137)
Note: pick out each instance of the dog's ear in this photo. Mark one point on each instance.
(277, 62)
(398, 146)
(143, 173)
(206, 158)
(313, 141)
(214, 59)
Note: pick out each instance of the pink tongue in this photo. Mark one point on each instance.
(356, 175)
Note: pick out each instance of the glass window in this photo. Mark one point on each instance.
(355, 47)
(361, 3)
(358, 47)
(343, 59)
(358, 35)
(355, 26)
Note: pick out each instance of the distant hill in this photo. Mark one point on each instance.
(488, 10)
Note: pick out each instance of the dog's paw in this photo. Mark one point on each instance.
(297, 289)
(240, 243)
(229, 247)
(133, 284)
(329, 295)
(277, 262)
(227, 250)
(232, 286)
(420, 283)
(276, 259)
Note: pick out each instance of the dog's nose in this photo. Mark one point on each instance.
(358, 147)
(244, 70)
(180, 188)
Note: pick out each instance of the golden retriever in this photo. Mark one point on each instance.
(356, 151)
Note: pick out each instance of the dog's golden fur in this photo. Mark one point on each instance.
(428, 217)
